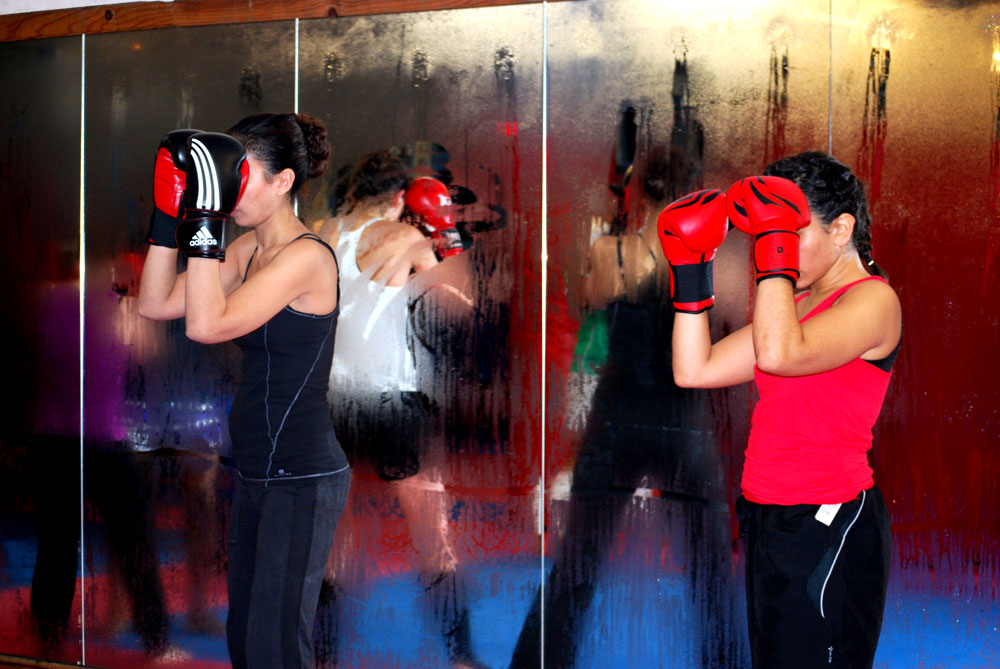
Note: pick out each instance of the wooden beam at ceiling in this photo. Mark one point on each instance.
(151, 15)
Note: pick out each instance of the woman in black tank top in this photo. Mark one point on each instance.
(276, 295)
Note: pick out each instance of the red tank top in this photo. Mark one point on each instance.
(810, 435)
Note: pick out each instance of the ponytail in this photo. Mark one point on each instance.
(832, 189)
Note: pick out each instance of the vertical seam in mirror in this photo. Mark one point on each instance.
(829, 130)
(544, 307)
(82, 274)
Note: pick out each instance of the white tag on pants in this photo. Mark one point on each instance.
(826, 513)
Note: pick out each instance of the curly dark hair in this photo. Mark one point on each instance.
(831, 189)
(281, 141)
(381, 174)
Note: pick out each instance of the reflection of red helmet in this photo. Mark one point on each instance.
(428, 198)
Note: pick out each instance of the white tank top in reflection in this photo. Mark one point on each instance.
(371, 352)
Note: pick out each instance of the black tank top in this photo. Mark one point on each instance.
(280, 423)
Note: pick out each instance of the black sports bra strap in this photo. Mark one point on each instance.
(315, 237)
(247, 270)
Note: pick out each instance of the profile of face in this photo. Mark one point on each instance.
(263, 195)
(821, 246)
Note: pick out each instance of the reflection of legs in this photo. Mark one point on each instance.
(570, 585)
(201, 536)
(116, 484)
(55, 479)
(274, 591)
(592, 514)
(426, 506)
(623, 448)
(709, 549)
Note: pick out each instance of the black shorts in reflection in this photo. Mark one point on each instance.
(388, 430)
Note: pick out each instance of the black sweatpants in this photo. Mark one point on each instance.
(816, 592)
(280, 538)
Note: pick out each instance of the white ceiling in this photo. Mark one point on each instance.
(21, 6)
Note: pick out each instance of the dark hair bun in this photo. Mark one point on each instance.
(286, 141)
(314, 132)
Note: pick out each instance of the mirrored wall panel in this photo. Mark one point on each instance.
(646, 104)
(436, 391)
(158, 476)
(40, 593)
(915, 112)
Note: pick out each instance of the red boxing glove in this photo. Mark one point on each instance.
(169, 182)
(428, 198)
(776, 209)
(691, 230)
(735, 207)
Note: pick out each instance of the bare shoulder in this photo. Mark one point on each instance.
(874, 315)
(307, 249)
(871, 294)
(394, 231)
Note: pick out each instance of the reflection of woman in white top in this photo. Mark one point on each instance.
(378, 410)
(376, 357)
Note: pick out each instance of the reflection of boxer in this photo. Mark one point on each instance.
(642, 432)
(277, 296)
(374, 377)
(818, 539)
(111, 475)
(375, 398)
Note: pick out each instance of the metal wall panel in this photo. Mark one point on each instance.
(450, 551)
(915, 113)
(155, 404)
(40, 439)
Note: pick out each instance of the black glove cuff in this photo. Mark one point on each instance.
(161, 229)
(692, 283)
(202, 238)
(775, 275)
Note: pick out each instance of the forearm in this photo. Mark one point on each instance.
(777, 333)
(691, 349)
(205, 301)
(161, 292)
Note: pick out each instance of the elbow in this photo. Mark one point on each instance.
(148, 310)
(199, 332)
(771, 361)
(144, 310)
(683, 379)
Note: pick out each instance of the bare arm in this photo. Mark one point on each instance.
(302, 272)
(602, 282)
(396, 251)
(162, 289)
(698, 363)
(864, 322)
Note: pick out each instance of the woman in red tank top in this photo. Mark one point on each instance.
(820, 348)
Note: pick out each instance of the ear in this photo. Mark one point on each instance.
(395, 208)
(283, 180)
(842, 229)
